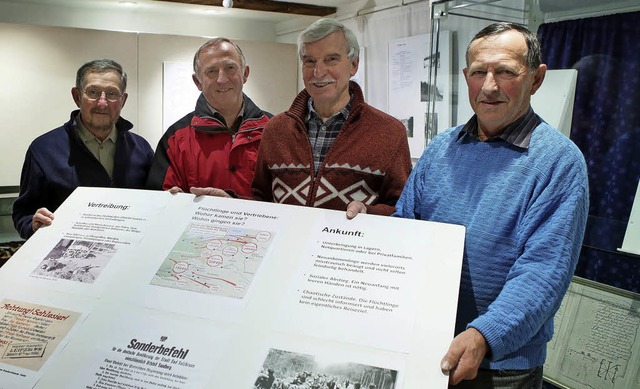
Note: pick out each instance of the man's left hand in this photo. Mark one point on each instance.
(354, 208)
(209, 192)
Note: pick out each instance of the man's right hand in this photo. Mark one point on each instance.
(466, 352)
(175, 189)
(43, 217)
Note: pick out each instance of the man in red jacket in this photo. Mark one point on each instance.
(216, 145)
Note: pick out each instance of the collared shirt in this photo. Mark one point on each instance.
(322, 134)
(104, 151)
(235, 125)
(517, 133)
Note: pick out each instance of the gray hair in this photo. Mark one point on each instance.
(101, 66)
(215, 42)
(323, 27)
(533, 57)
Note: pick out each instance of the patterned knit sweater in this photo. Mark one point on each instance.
(525, 213)
(369, 160)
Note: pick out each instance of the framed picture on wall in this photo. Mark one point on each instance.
(179, 93)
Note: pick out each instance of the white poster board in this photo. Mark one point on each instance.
(205, 292)
(554, 99)
(631, 242)
(179, 92)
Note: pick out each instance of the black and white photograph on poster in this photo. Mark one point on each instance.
(288, 370)
(76, 260)
(413, 94)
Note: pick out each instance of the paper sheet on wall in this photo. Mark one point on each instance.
(179, 93)
(410, 92)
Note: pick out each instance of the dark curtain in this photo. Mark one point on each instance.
(606, 127)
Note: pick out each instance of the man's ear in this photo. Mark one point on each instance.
(538, 78)
(196, 81)
(76, 93)
(246, 73)
(124, 99)
(354, 66)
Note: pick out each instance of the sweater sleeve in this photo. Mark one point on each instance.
(261, 189)
(31, 189)
(550, 232)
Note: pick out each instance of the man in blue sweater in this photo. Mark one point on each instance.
(94, 148)
(520, 189)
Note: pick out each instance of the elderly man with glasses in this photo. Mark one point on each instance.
(94, 148)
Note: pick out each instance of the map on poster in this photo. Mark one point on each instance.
(213, 259)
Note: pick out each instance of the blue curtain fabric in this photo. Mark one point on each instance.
(606, 127)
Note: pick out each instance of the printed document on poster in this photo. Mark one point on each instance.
(92, 235)
(29, 335)
(102, 229)
(356, 284)
(138, 348)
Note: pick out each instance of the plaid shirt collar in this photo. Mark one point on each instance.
(517, 133)
(323, 133)
(313, 114)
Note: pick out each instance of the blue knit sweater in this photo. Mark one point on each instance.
(525, 212)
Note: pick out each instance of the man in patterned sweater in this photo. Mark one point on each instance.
(331, 149)
(520, 189)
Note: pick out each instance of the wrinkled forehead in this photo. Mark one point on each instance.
(222, 52)
(333, 43)
(506, 46)
(108, 78)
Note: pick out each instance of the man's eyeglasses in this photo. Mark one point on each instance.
(95, 94)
